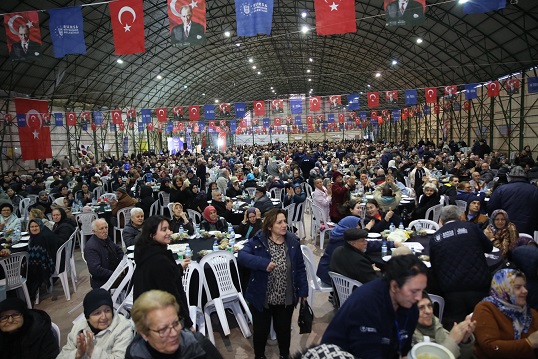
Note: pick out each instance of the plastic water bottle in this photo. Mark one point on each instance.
(384, 249)
(223, 198)
(181, 230)
(16, 236)
(401, 226)
(215, 246)
(230, 228)
(392, 227)
(244, 194)
(188, 252)
(196, 230)
(231, 242)
(413, 249)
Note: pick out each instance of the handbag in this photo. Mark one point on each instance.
(306, 317)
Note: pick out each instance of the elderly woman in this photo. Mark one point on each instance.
(180, 219)
(63, 226)
(429, 199)
(62, 203)
(472, 213)
(506, 327)
(322, 196)
(250, 224)
(156, 266)
(388, 195)
(278, 280)
(502, 232)
(132, 230)
(459, 340)
(294, 194)
(25, 333)
(101, 333)
(161, 333)
(212, 222)
(8, 219)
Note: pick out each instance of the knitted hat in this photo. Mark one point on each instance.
(327, 351)
(94, 299)
(336, 174)
(14, 304)
(260, 189)
(121, 190)
(517, 172)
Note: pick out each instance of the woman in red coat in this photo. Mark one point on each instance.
(340, 194)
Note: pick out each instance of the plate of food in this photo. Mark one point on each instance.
(20, 245)
(204, 252)
(374, 235)
(425, 259)
(179, 236)
(24, 233)
(238, 247)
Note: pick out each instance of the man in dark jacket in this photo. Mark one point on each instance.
(458, 263)
(261, 201)
(101, 254)
(450, 189)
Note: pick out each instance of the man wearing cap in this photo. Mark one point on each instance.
(234, 189)
(261, 201)
(351, 259)
(519, 199)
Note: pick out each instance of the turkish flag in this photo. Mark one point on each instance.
(335, 17)
(254, 122)
(94, 126)
(467, 105)
(71, 118)
(309, 120)
(391, 96)
(121, 126)
(277, 121)
(494, 89)
(341, 118)
(85, 116)
(436, 109)
(116, 117)
(373, 99)
(431, 94)
(33, 136)
(373, 114)
(384, 113)
(315, 103)
(127, 17)
(259, 108)
(150, 126)
(161, 114)
(379, 120)
(194, 113)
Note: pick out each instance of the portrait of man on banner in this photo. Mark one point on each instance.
(23, 36)
(187, 24)
(404, 12)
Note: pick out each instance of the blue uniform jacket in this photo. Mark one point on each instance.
(255, 256)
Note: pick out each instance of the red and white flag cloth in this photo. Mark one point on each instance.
(161, 114)
(33, 135)
(373, 99)
(431, 94)
(127, 17)
(194, 113)
(259, 108)
(494, 89)
(71, 118)
(116, 117)
(335, 17)
(315, 103)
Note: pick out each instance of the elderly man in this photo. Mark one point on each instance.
(486, 174)
(101, 254)
(223, 180)
(224, 209)
(132, 230)
(261, 201)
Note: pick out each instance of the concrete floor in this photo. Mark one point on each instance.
(233, 346)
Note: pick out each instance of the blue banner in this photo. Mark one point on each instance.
(470, 91)
(112, 127)
(209, 112)
(146, 115)
(411, 97)
(362, 116)
(296, 105)
(353, 102)
(188, 140)
(98, 117)
(240, 109)
(84, 126)
(169, 127)
(533, 84)
(396, 115)
(59, 119)
(125, 144)
(298, 120)
(427, 110)
(419, 114)
(483, 6)
(266, 122)
(253, 17)
(66, 31)
(21, 120)
(330, 118)
(141, 127)
(233, 126)
(201, 126)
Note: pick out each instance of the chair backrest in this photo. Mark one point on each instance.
(84, 221)
(220, 263)
(433, 213)
(12, 267)
(125, 214)
(65, 250)
(170, 206)
(23, 208)
(56, 331)
(298, 213)
(122, 265)
(188, 274)
(445, 200)
(317, 217)
(462, 205)
(277, 193)
(407, 181)
(290, 211)
(154, 209)
(97, 191)
(251, 191)
(121, 290)
(441, 302)
(108, 196)
(164, 200)
(308, 258)
(344, 285)
(194, 215)
(424, 224)
(308, 189)
(33, 198)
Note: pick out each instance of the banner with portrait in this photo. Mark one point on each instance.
(23, 36)
(187, 22)
(404, 12)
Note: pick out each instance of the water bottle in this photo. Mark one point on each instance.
(384, 249)
(16, 236)
(223, 198)
(401, 226)
(244, 194)
(392, 227)
(230, 228)
(215, 246)
(412, 249)
(231, 242)
(418, 227)
(181, 230)
(196, 230)
(188, 252)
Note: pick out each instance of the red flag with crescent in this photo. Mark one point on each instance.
(373, 114)
(254, 122)
(181, 126)
(384, 113)
(315, 103)
(116, 117)
(94, 126)
(467, 105)
(259, 108)
(127, 17)
(194, 113)
(341, 118)
(310, 127)
(85, 116)
(379, 120)
(406, 111)
(8, 118)
(309, 120)
(71, 118)
(222, 123)
(33, 136)
(121, 126)
(30, 21)
(150, 127)
(436, 109)
(373, 99)
(431, 94)
(161, 114)
(494, 89)
(277, 121)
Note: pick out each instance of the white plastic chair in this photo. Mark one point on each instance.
(125, 214)
(33, 198)
(424, 224)
(194, 215)
(251, 191)
(73, 238)
(344, 286)
(314, 283)
(195, 309)
(154, 209)
(65, 248)
(12, 267)
(229, 297)
(295, 217)
(441, 302)
(462, 205)
(97, 191)
(433, 213)
(317, 218)
(108, 196)
(84, 221)
(407, 181)
(119, 293)
(170, 206)
(56, 331)
(23, 210)
(164, 200)
(277, 193)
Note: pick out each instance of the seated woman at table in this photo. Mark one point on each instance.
(250, 224)
(100, 333)
(42, 249)
(294, 194)
(212, 186)
(198, 201)
(156, 266)
(502, 232)
(25, 333)
(62, 203)
(180, 191)
(133, 229)
(8, 219)
(84, 195)
(459, 340)
(63, 226)
(381, 220)
(472, 213)
(353, 208)
(212, 221)
(388, 194)
(36, 212)
(234, 188)
(506, 327)
(179, 218)
(429, 199)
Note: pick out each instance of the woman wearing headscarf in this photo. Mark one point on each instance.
(62, 203)
(42, 256)
(101, 333)
(294, 194)
(251, 223)
(198, 201)
(180, 219)
(25, 333)
(8, 219)
(506, 327)
(502, 232)
(212, 222)
(63, 226)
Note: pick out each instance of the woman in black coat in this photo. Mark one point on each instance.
(180, 219)
(429, 199)
(63, 226)
(146, 199)
(381, 220)
(42, 256)
(251, 224)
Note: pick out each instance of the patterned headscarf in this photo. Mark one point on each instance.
(505, 238)
(494, 214)
(502, 296)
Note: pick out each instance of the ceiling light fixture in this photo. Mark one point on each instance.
(308, 71)
(419, 41)
(310, 59)
(259, 72)
(378, 74)
(304, 29)
(216, 101)
(119, 61)
(251, 60)
(159, 77)
(254, 67)
(227, 33)
(394, 62)
(304, 14)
